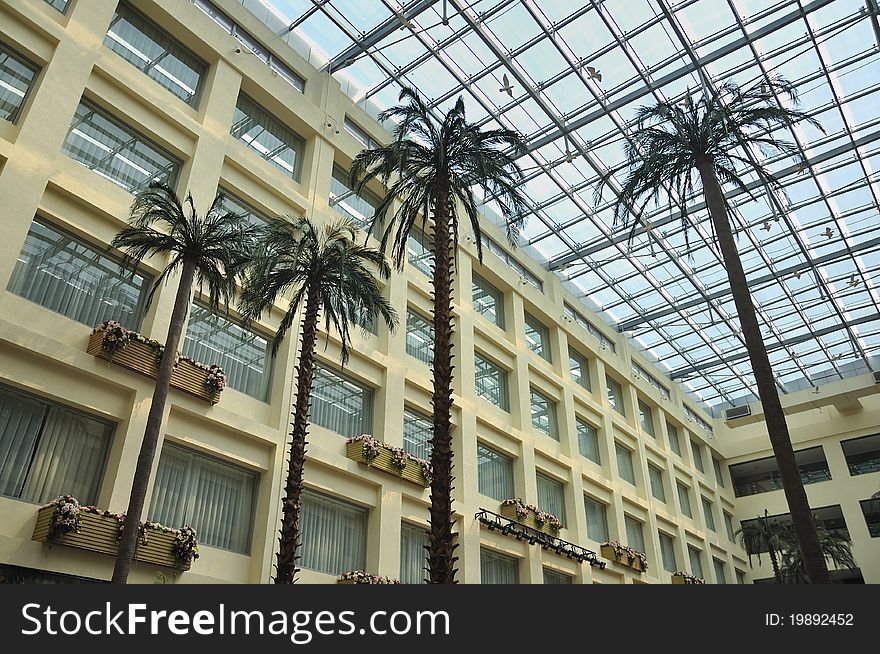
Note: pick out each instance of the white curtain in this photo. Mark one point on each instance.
(495, 473)
(214, 497)
(720, 577)
(588, 441)
(597, 522)
(498, 569)
(696, 562)
(413, 556)
(20, 422)
(417, 433)
(65, 276)
(334, 534)
(667, 553)
(635, 537)
(625, 463)
(341, 405)
(553, 577)
(551, 496)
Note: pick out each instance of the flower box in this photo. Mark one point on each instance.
(99, 531)
(361, 577)
(679, 578)
(368, 451)
(142, 355)
(625, 556)
(530, 516)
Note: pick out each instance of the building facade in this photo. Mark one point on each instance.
(552, 406)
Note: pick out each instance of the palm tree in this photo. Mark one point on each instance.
(836, 547)
(763, 535)
(436, 166)
(710, 138)
(323, 270)
(213, 250)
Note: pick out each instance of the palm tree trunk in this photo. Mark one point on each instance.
(288, 541)
(795, 495)
(441, 562)
(128, 541)
(775, 563)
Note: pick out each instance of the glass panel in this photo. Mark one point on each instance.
(551, 496)
(495, 473)
(588, 441)
(684, 500)
(625, 463)
(537, 338)
(334, 534)
(268, 137)
(762, 475)
(667, 553)
(116, 152)
(544, 415)
(720, 576)
(498, 569)
(418, 430)
(413, 557)
(419, 337)
(580, 370)
(646, 419)
(615, 396)
(862, 454)
(728, 524)
(698, 456)
(490, 382)
(357, 208)
(419, 253)
(69, 277)
(232, 204)
(635, 537)
(657, 489)
(597, 521)
(17, 76)
(553, 577)
(708, 514)
(488, 301)
(696, 562)
(719, 475)
(341, 405)
(60, 5)
(674, 442)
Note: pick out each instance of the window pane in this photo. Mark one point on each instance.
(553, 577)
(646, 419)
(357, 208)
(657, 489)
(615, 396)
(495, 473)
(214, 497)
(488, 301)
(588, 441)
(76, 280)
(635, 537)
(580, 369)
(341, 405)
(268, 137)
(551, 496)
(720, 576)
(334, 534)
(544, 415)
(698, 456)
(60, 5)
(684, 500)
(696, 562)
(597, 522)
(243, 355)
(728, 524)
(413, 557)
(151, 50)
(497, 568)
(116, 152)
(719, 475)
(625, 463)
(674, 443)
(233, 204)
(419, 252)
(537, 337)
(419, 337)
(418, 430)
(708, 514)
(667, 553)
(740, 577)
(490, 382)
(17, 75)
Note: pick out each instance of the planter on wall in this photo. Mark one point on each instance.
(370, 452)
(361, 577)
(141, 357)
(687, 579)
(625, 556)
(527, 514)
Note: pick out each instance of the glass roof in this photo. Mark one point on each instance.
(569, 75)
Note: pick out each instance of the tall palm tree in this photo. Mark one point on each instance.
(836, 547)
(708, 139)
(212, 250)
(763, 535)
(322, 269)
(435, 167)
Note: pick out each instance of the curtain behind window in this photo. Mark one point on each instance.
(413, 557)
(334, 534)
(498, 569)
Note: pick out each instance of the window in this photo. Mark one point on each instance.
(625, 463)
(615, 396)
(696, 561)
(708, 514)
(215, 497)
(553, 577)
(497, 568)
(490, 382)
(719, 475)
(597, 520)
(656, 475)
(667, 552)
(720, 576)
(115, 152)
(575, 315)
(544, 415)
(830, 518)
(74, 279)
(537, 337)
(698, 456)
(243, 354)
(268, 137)
(488, 301)
(762, 475)
(588, 441)
(17, 77)
(728, 524)
(551, 496)
(674, 443)
(740, 576)
(419, 337)
(494, 473)
(646, 419)
(151, 50)
(232, 204)
(419, 252)
(635, 537)
(341, 405)
(413, 557)
(418, 430)
(862, 454)
(334, 534)
(358, 208)
(871, 511)
(580, 369)
(640, 372)
(60, 5)
(684, 500)
(501, 253)
(47, 450)
(360, 134)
